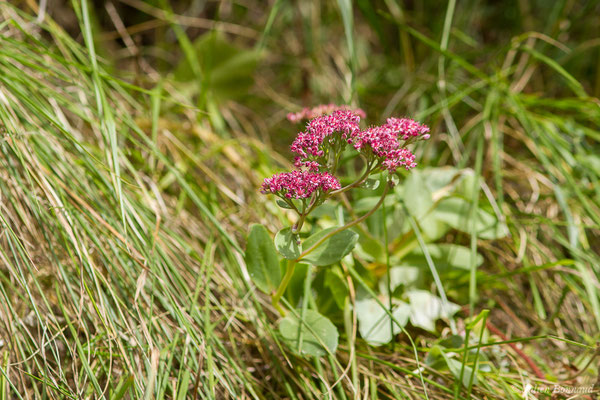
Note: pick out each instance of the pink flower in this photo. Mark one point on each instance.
(408, 128)
(384, 142)
(310, 113)
(299, 184)
(312, 146)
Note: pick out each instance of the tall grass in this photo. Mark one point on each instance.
(123, 215)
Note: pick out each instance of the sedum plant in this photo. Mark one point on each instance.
(332, 135)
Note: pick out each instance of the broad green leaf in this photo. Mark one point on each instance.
(283, 204)
(318, 334)
(427, 308)
(295, 289)
(227, 71)
(333, 249)
(455, 367)
(261, 259)
(439, 360)
(456, 212)
(452, 342)
(432, 228)
(371, 184)
(375, 324)
(445, 256)
(287, 244)
(436, 179)
(335, 282)
(324, 210)
(402, 275)
(368, 203)
(417, 197)
(466, 185)
(372, 248)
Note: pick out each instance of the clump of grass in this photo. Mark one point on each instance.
(109, 281)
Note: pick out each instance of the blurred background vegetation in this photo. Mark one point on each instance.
(135, 135)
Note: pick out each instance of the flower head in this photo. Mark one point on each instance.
(408, 128)
(310, 113)
(384, 142)
(312, 146)
(299, 184)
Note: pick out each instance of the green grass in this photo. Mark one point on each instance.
(126, 194)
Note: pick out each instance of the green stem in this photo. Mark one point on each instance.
(311, 206)
(292, 263)
(348, 225)
(360, 180)
(283, 285)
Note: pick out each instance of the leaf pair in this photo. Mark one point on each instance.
(262, 260)
(329, 251)
(314, 334)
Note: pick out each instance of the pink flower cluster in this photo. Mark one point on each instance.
(299, 184)
(310, 113)
(383, 146)
(384, 142)
(311, 144)
(408, 128)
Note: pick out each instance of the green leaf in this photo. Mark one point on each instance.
(371, 247)
(368, 203)
(445, 256)
(335, 282)
(374, 323)
(401, 275)
(287, 244)
(323, 211)
(416, 195)
(433, 228)
(455, 366)
(227, 70)
(261, 259)
(418, 199)
(283, 204)
(456, 212)
(371, 184)
(123, 388)
(439, 360)
(437, 179)
(427, 308)
(295, 289)
(333, 249)
(319, 335)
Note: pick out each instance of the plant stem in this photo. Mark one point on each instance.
(305, 212)
(360, 180)
(292, 263)
(348, 225)
(283, 285)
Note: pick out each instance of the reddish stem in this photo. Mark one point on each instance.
(536, 370)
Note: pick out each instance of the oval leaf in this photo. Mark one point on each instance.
(318, 335)
(335, 282)
(427, 308)
(370, 184)
(455, 212)
(287, 244)
(283, 204)
(333, 249)
(446, 256)
(261, 259)
(375, 324)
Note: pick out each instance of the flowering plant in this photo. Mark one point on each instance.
(332, 135)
